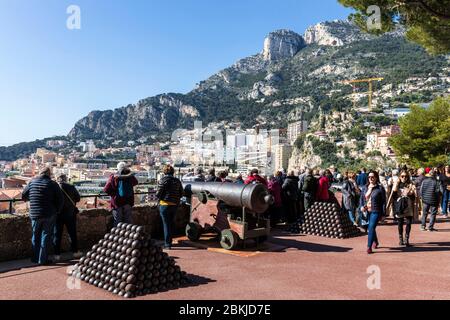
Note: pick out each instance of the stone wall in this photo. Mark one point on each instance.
(93, 224)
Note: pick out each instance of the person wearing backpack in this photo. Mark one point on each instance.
(67, 217)
(430, 191)
(170, 191)
(120, 187)
(403, 197)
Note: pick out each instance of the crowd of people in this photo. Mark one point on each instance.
(368, 197)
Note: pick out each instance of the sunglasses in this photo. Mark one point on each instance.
(403, 176)
(372, 177)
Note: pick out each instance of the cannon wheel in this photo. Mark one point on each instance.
(229, 239)
(193, 231)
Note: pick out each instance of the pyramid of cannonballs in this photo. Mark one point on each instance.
(327, 220)
(127, 262)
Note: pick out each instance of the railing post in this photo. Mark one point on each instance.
(95, 202)
(11, 206)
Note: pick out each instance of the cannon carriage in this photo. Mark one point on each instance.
(232, 211)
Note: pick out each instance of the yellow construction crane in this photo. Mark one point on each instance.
(369, 81)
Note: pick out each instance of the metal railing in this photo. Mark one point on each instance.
(11, 202)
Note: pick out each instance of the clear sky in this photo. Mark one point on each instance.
(125, 51)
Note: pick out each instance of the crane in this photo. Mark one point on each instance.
(369, 81)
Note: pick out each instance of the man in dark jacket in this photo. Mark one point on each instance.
(290, 194)
(429, 192)
(46, 201)
(67, 217)
(361, 179)
(120, 188)
(444, 179)
(170, 191)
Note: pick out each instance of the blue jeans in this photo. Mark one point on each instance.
(167, 215)
(445, 200)
(40, 239)
(122, 214)
(373, 223)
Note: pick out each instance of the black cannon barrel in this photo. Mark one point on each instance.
(254, 197)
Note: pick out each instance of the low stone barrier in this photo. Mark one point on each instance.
(92, 225)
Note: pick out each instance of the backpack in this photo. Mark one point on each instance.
(125, 188)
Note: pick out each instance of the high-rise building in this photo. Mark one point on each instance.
(295, 129)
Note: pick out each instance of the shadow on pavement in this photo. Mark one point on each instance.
(307, 246)
(30, 265)
(423, 247)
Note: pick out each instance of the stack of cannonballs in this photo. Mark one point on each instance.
(127, 262)
(327, 220)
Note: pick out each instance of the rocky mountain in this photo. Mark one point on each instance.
(290, 78)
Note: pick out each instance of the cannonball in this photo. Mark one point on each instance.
(131, 279)
(116, 291)
(121, 293)
(91, 280)
(140, 229)
(129, 227)
(125, 276)
(135, 253)
(143, 260)
(127, 234)
(129, 295)
(140, 286)
(134, 228)
(122, 285)
(96, 283)
(105, 286)
(132, 269)
(122, 233)
(135, 244)
(141, 277)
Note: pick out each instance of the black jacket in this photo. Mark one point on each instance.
(45, 196)
(378, 199)
(290, 188)
(170, 189)
(418, 183)
(69, 191)
(429, 191)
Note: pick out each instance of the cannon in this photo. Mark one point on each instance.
(233, 211)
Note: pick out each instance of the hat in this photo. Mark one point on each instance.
(121, 166)
(427, 170)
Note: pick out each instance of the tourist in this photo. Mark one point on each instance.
(239, 179)
(418, 183)
(349, 197)
(170, 191)
(120, 187)
(361, 179)
(290, 192)
(255, 178)
(67, 217)
(46, 201)
(199, 177)
(322, 193)
(212, 176)
(373, 204)
(403, 198)
(275, 209)
(329, 176)
(429, 192)
(444, 179)
(309, 188)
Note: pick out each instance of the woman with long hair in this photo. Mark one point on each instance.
(373, 204)
(403, 198)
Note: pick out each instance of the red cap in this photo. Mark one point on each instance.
(427, 170)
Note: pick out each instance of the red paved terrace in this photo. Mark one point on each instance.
(309, 268)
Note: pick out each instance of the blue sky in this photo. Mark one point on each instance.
(51, 76)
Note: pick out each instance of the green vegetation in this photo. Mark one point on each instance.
(427, 22)
(425, 135)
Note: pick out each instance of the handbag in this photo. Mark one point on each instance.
(71, 201)
(400, 205)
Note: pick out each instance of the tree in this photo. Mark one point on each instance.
(425, 135)
(427, 22)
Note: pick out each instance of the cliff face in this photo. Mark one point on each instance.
(282, 44)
